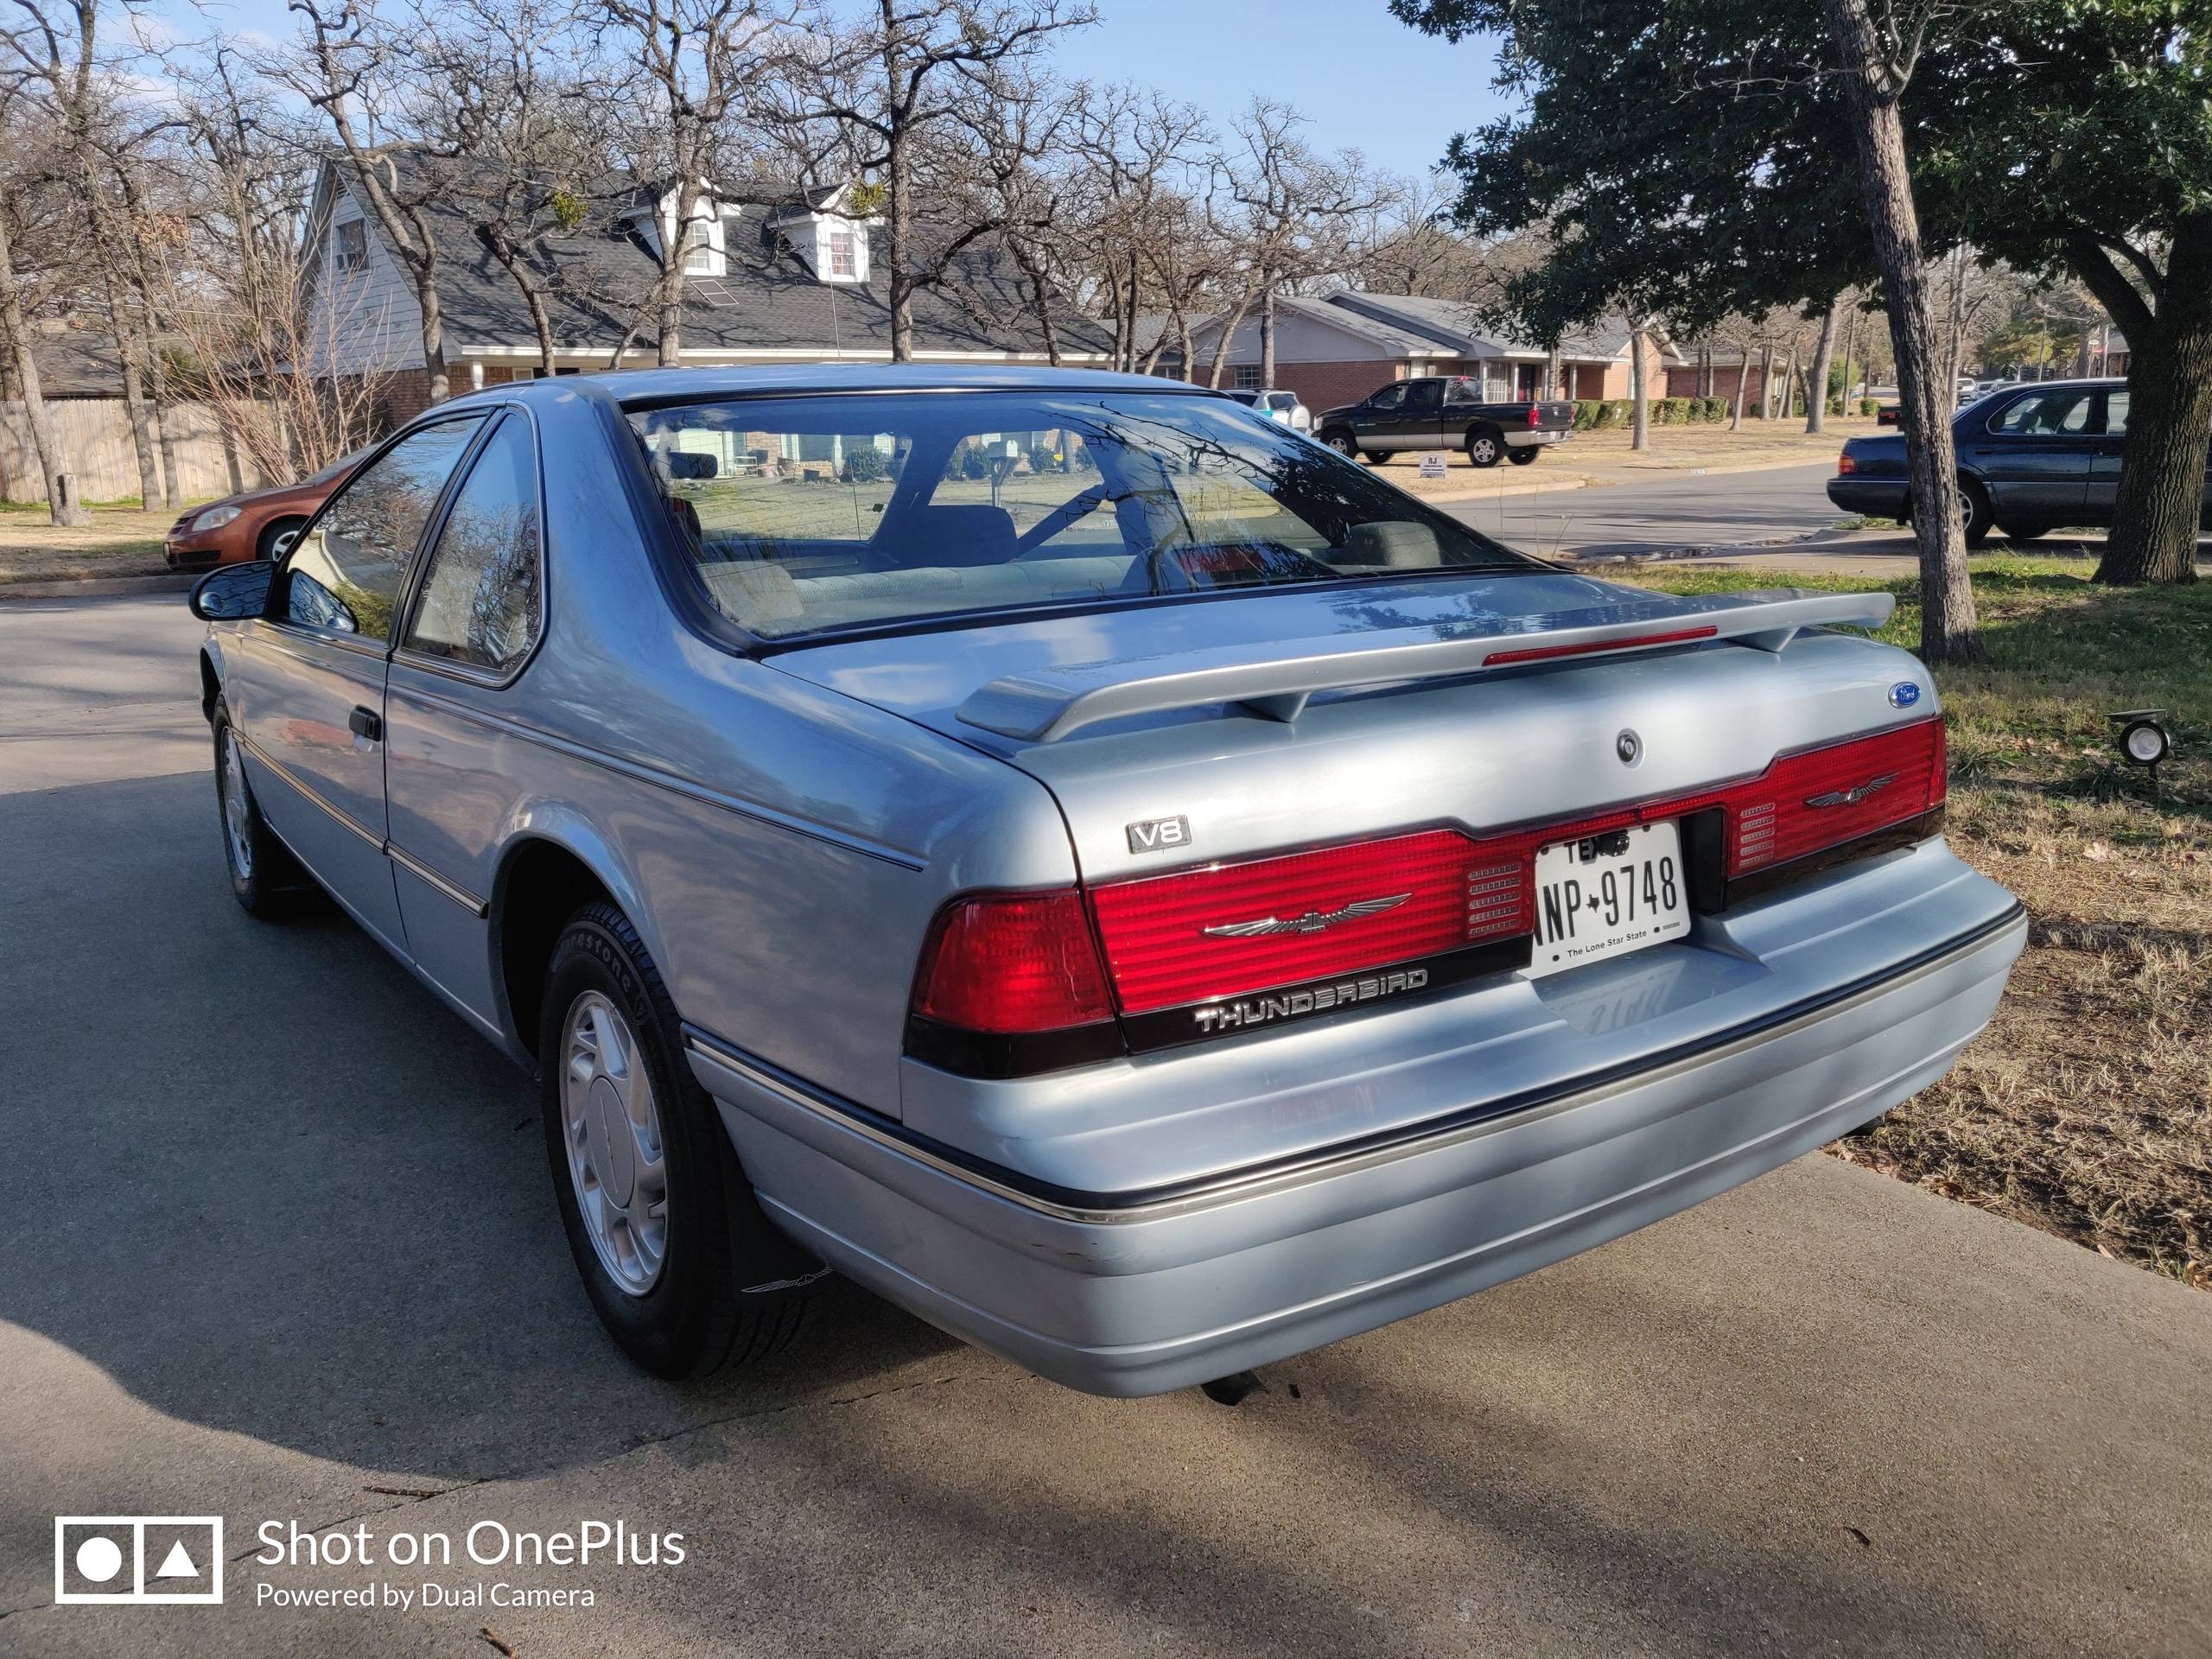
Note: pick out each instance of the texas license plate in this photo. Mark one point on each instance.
(1605, 895)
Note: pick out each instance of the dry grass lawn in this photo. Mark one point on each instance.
(2086, 1108)
(121, 540)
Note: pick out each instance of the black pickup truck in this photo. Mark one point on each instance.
(1443, 412)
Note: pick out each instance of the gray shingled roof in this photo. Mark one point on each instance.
(74, 363)
(601, 277)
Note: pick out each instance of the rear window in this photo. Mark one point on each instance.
(808, 513)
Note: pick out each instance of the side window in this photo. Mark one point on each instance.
(2116, 414)
(1424, 396)
(481, 602)
(1389, 400)
(1461, 391)
(345, 574)
(2060, 413)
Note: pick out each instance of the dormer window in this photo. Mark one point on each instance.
(701, 256)
(843, 264)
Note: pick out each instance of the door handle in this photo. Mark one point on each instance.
(366, 722)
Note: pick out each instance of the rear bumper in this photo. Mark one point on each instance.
(1139, 1293)
(1521, 438)
(1869, 497)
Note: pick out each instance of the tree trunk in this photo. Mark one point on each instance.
(1640, 426)
(165, 430)
(1188, 346)
(1766, 380)
(134, 404)
(230, 455)
(2159, 508)
(897, 214)
(1743, 379)
(1850, 344)
(1267, 335)
(62, 507)
(1789, 384)
(1816, 384)
(1948, 632)
(1221, 345)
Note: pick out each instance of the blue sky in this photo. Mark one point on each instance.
(1366, 81)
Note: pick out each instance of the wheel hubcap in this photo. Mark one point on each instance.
(1484, 450)
(281, 543)
(238, 824)
(611, 1127)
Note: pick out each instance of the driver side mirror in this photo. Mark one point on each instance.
(233, 593)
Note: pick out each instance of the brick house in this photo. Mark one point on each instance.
(1338, 348)
(772, 276)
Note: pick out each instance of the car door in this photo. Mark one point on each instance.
(2033, 454)
(305, 684)
(1381, 417)
(454, 765)
(2104, 461)
(1422, 424)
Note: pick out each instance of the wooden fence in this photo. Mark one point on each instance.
(94, 437)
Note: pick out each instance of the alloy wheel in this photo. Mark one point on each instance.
(616, 1158)
(237, 809)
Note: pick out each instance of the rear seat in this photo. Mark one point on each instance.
(767, 591)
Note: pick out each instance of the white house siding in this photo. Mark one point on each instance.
(364, 320)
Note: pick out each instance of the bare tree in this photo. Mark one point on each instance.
(23, 208)
(343, 64)
(1877, 46)
(897, 76)
(687, 68)
(1296, 209)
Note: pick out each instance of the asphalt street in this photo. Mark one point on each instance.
(1660, 510)
(277, 1244)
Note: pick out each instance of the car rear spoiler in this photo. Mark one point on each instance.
(1274, 679)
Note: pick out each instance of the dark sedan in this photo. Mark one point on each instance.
(2030, 458)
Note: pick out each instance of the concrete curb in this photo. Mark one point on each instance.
(166, 581)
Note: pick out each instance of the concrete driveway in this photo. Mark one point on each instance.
(276, 1242)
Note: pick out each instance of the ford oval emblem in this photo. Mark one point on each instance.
(1904, 694)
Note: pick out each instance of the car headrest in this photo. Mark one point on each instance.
(686, 463)
(1395, 543)
(957, 537)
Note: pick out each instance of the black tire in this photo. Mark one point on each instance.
(265, 879)
(1524, 455)
(266, 548)
(730, 1289)
(1974, 512)
(2026, 532)
(1341, 441)
(1485, 446)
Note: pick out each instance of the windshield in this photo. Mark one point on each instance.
(807, 514)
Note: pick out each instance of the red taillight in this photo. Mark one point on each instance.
(1195, 936)
(1199, 934)
(1807, 803)
(1844, 463)
(1535, 415)
(1012, 962)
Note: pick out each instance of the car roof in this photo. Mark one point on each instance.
(638, 387)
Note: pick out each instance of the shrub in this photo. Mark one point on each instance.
(972, 464)
(1585, 414)
(863, 464)
(1716, 409)
(1041, 458)
(1869, 407)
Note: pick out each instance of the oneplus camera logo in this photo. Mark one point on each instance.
(146, 1558)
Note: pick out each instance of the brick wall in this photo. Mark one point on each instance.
(1682, 381)
(1324, 385)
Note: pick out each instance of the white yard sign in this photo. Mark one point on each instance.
(1432, 464)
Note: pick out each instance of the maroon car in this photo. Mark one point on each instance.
(254, 524)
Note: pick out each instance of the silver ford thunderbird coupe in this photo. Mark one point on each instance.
(1084, 861)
